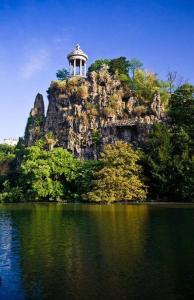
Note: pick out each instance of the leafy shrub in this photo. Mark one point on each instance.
(112, 106)
(124, 78)
(58, 85)
(92, 109)
(7, 152)
(82, 92)
(140, 110)
(108, 111)
(95, 136)
(38, 121)
(146, 85)
(11, 194)
(73, 81)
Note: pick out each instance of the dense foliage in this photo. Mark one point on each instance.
(169, 158)
(118, 178)
(45, 175)
(98, 64)
(6, 152)
(42, 175)
(182, 109)
(120, 65)
(144, 83)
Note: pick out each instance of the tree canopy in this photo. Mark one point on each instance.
(97, 65)
(119, 65)
(181, 108)
(133, 65)
(118, 178)
(43, 175)
(169, 158)
(62, 74)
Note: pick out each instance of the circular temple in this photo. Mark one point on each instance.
(77, 62)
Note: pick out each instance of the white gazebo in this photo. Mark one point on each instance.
(77, 62)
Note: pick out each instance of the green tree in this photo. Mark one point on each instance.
(119, 65)
(124, 79)
(181, 108)
(98, 64)
(145, 84)
(133, 65)
(40, 175)
(7, 156)
(7, 170)
(157, 159)
(118, 178)
(62, 74)
(169, 164)
(6, 152)
(182, 169)
(85, 176)
(47, 175)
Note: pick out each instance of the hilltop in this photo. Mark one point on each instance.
(84, 114)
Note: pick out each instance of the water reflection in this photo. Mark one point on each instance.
(10, 279)
(78, 251)
(98, 252)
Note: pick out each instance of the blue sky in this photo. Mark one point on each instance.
(36, 35)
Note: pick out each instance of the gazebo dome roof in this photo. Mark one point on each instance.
(77, 52)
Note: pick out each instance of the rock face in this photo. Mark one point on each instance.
(35, 124)
(84, 114)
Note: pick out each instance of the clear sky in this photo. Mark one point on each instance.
(36, 35)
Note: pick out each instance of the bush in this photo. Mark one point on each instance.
(140, 110)
(58, 85)
(95, 136)
(82, 92)
(11, 194)
(124, 78)
(92, 109)
(108, 111)
(146, 85)
(73, 81)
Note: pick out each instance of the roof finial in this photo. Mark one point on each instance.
(77, 47)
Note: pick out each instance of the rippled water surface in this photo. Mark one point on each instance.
(89, 252)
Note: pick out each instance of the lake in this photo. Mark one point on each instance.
(89, 252)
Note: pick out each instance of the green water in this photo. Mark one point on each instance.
(89, 252)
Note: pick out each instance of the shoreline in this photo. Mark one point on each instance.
(103, 204)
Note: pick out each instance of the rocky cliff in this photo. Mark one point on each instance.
(86, 113)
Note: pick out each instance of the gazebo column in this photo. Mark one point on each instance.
(80, 68)
(85, 69)
(74, 67)
(70, 73)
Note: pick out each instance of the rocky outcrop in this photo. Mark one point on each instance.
(35, 124)
(84, 114)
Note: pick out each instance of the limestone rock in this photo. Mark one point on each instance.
(35, 124)
(84, 114)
